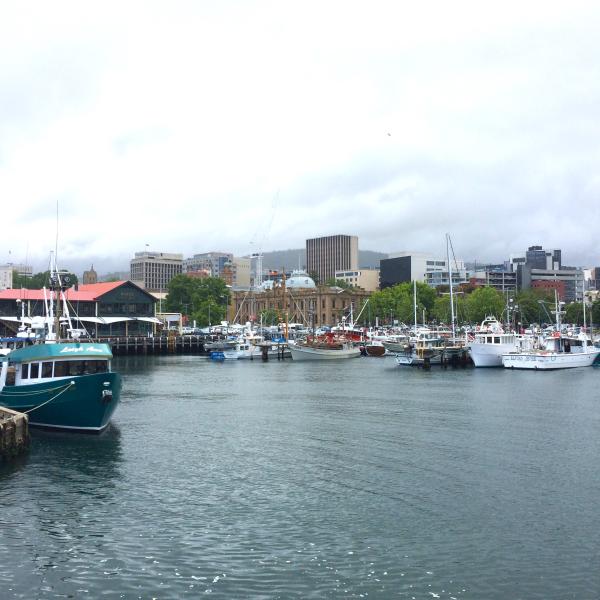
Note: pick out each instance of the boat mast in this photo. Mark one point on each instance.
(415, 303)
(285, 330)
(450, 281)
(584, 327)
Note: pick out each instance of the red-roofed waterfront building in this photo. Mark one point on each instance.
(113, 308)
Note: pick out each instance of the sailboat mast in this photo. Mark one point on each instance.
(415, 303)
(285, 330)
(584, 327)
(450, 281)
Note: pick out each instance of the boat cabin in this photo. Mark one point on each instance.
(37, 364)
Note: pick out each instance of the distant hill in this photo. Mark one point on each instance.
(369, 259)
(116, 276)
(288, 259)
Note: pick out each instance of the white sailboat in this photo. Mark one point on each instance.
(425, 348)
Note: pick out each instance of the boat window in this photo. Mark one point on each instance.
(46, 369)
(66, 368)
(496, 340)
(100, 366)
(24, 371)
(10, 375)
(489, 339)
(61, 368)
(34, 372)
(77, 367)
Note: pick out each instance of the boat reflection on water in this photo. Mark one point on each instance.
(72, 457)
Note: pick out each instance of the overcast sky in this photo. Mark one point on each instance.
(240, 126)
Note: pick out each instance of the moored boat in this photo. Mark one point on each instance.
(61, 385)
(557, 352)
(426, 349)
(490, 342)
(545, 360)
(326, 350)
(374, 348)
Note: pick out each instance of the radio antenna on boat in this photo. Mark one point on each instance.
(56, 238)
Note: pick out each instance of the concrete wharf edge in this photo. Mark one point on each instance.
(14, 432)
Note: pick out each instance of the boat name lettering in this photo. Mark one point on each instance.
(90, 349)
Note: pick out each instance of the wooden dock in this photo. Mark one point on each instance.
(172, 344)
(14, 432)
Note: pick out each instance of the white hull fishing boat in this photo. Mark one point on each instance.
(545, 360)
(323, 351)
(557, 353)
(490, 342)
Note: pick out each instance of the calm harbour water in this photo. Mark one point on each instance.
(324, 480)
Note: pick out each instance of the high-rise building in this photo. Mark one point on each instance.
(498, 278)
(214, 262)
(6, 277)
(571, 280)
(543, 269)
(538, 258)
(326, 255)
(241, 268)
(367, 279)
(419, 266)
(154, 270)
(594, 278)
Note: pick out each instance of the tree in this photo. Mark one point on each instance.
(574, 313)
(333, 282)
(270, 316)
(180, 294)
(535, 306)
(484, 301)
(397, 302)
(442, 311)
(41, 280)
(204, 300)
(595, 312)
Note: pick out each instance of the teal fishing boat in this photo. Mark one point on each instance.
(58, 380)
(61, 385)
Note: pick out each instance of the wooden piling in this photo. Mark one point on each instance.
(14, 432)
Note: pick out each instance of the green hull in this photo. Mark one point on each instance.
(84, 402)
